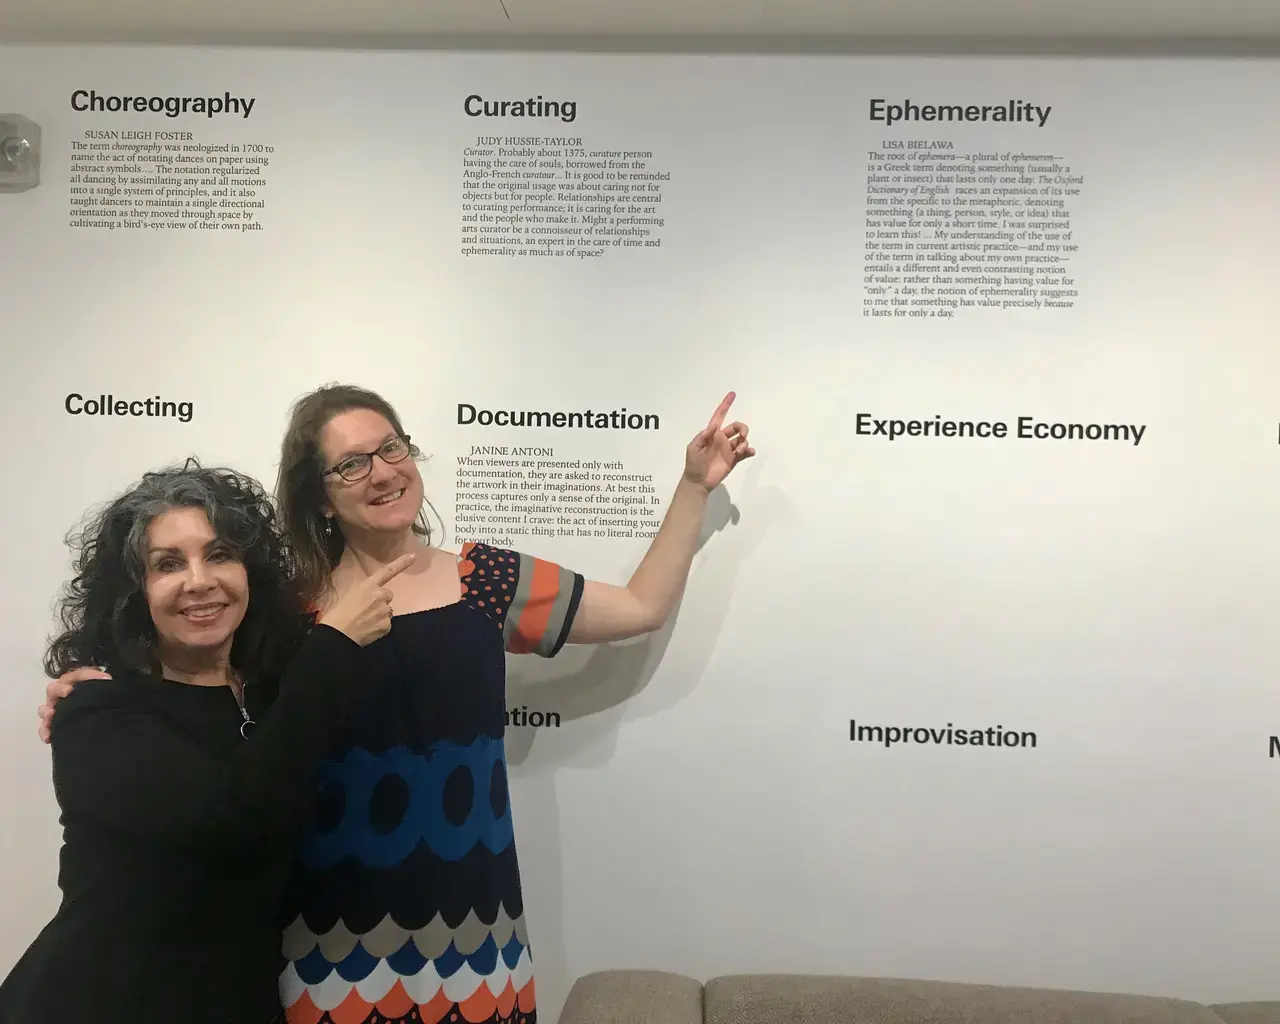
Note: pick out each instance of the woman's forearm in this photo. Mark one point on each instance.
(610, 612)
(660, 577)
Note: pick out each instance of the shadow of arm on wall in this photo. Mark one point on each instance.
(605, 677)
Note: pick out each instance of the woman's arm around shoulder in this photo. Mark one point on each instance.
(120, 763)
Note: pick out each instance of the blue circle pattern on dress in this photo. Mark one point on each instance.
(424, 820)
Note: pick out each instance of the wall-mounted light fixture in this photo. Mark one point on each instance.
(19, 153)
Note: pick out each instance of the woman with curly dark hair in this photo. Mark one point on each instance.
(184, 778)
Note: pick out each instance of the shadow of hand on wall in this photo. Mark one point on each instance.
(603, 682)
(596, 687)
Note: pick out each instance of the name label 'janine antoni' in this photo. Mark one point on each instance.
(1026, 428)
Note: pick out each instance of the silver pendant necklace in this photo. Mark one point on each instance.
(247, 724)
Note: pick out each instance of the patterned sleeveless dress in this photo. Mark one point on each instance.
(405, 904)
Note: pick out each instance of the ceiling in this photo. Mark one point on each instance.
(680, 25)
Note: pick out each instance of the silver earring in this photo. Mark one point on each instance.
(328, 527)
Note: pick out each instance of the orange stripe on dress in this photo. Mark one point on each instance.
(352, 1010)
(544, 587)
(303, 1011)
(527, 998)
(479, 1006)
(436, 1010)
(396, 1003)
(507, 999)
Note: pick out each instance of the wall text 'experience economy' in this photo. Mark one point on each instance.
(1027, 428)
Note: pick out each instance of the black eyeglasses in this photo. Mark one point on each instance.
(357, 467)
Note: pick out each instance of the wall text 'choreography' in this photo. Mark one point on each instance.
(89, 100)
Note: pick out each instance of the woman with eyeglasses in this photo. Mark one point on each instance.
(406, 903)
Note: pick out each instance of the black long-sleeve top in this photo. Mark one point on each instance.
(178, 835)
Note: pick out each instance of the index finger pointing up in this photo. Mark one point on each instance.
(718, 416)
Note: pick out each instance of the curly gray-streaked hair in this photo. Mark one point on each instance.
(104, 614)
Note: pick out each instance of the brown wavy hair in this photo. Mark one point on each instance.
(300, 484)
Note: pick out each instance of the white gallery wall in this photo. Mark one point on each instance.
(1058, 277)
